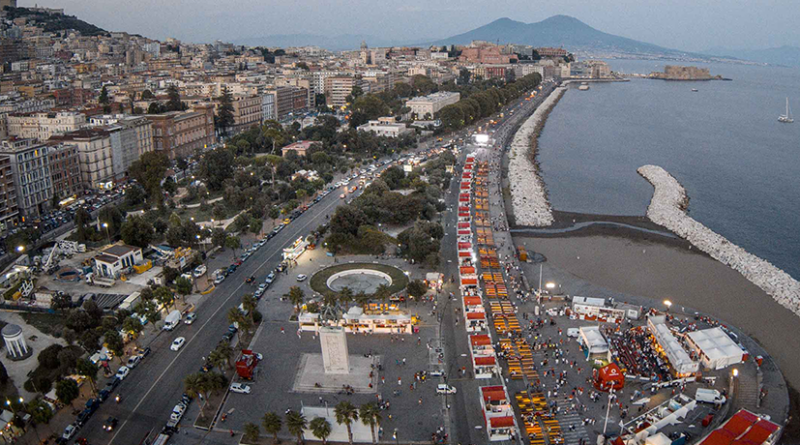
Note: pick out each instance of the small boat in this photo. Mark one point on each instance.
(786, 118)
(694, 90)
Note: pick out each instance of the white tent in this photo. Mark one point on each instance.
(716, 349)
(675, 353)
(593, 340)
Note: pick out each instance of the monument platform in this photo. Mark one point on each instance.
(311, 371)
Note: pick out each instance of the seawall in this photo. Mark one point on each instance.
(528, 194)
(667, 208)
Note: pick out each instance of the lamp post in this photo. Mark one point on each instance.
(668, 304)
(108, 236)
(20, 249)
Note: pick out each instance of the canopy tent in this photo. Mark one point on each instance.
(480, 340)
(593, 340)
(463, 225)
(476, 316)
(488, 360)
(609, 377)
(678, 358)
(716, 349)
(472, 301)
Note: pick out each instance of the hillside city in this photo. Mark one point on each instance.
(213, 243)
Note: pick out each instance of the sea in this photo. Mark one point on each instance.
(739, 165)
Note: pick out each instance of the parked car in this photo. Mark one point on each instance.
(133, 361)
(240, 388)
(69, 431)
(220, 278)
(177, 344)
(199, 271)
(190, 318)
(270, 278)
(301, 277)
(122, 372)
(443, 388)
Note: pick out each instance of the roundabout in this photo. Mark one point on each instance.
(358, 277)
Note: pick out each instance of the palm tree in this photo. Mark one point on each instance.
(217, 359)
(382, 293)
(370, 416)
(361, 299)
(296, 423)
(272, 424)
(296, 296)
(345, 296)
(321, 428)
(236, 317)
(251, 432)
(226, 350)
(346, 413)
(249, 304)
(195, 385)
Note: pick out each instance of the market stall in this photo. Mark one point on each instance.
(715, 348)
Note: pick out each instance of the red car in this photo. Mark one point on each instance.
(238, 262)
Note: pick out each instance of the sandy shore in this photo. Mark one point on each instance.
(662, 272)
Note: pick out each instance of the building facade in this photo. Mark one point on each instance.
(30, 165)
(9, 208)
(246, 112)
(180, 133)
(337, 88)
(65, 170)
(95, 155)
(386, 126)
(431, 104)
(42, 125)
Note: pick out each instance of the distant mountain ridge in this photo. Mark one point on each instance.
(783, 55)
(556, 31)
(55, 22)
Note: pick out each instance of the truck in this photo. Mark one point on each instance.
(172, 320)
(93, 280)
(709, 396)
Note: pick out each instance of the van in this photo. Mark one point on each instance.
(709, 396)
(172, 320)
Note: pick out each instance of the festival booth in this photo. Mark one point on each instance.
(594, 309)
(744, 428)
(464, 197)
(434, 280)
(670, 347)
(715, 348)
(465, 185)
(593, 342)
(476, 321)
(485, 366)
(498, 414)
(294, 251)
(464, 216)
(608, 377)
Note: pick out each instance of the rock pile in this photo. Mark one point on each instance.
(667, 209)
(528, 196)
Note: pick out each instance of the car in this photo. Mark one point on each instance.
(237, 263)
(443, 388)
(270, 278)
(122, 372)
(177, 344)
(232, 328)
(220, 278)
(133, 361)
(110, 424)
(250, 280)
(258, 356)
(302, 277)
(103, 394)
(281, 267)
(199, 271)
(83, 417)
(438, 372)
(228, 336)
(240, 388)
(190, 318)
(144, 352)
(69, 431)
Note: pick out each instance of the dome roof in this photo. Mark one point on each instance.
(11, 330)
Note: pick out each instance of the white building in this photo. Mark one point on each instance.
(268, 108)
(386, 126)
(42, 125)
(678, 358)
(115, 259)
(431, 104)
(715, 348)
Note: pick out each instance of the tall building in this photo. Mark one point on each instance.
(42, 125)
(9, 208)
(268, 111)
(30, 166)
(337, 88)
(180, 133)
(65, 170)
(246, 112)
(95, 155)
(131, 137)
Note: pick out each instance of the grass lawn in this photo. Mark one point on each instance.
(320, 279)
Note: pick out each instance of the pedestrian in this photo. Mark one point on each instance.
(282, 331)
(399, 382)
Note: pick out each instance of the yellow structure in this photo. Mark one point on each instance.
(144, 267)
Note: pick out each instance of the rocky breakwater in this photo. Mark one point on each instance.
(667, 208)
(528, 197)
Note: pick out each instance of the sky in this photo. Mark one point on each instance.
(690, 25)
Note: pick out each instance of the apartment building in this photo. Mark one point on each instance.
(431, 104)
(286, 100)
(95, 156)
(30, 168)
(65, 170)
(337, 88)
(180, 133)
(42, 125)
(247, 111)
(9, 208)
(268, 111)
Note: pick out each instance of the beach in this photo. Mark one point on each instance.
(681, 275)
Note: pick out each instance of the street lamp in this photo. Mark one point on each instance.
(20, 249)
(550, 285)
(668, 304)
(108, 236)
(735, 373)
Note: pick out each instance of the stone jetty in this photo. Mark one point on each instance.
(667, 208)
(528, 196)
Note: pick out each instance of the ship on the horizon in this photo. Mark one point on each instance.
(786, 118)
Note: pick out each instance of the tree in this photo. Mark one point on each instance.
(320, 428)
(371, 106)
(249, 304)
(88, 340)
(251, 432)
(3, 375)
(417, 288)
(114, 343)
(218, 237)
(371, 417)
(301, 194)
(226, 350)
(104, 100)
(137, 231)
(165, 296)
(255, 225)
(225, 111)
(133, 326)
(217, 359)
(233, 242)
(194, 385)
(296, 423)
(67, 391)
(83, 222)
(148, 171)
(382, 293)
(272, 424)
(183, 286)
(345, 414)
(296, 296)
(86, 368)
(174, 99)
(40, 411)
(345, 296)
(236, 318)
(147, 94)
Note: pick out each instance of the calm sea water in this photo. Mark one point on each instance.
(739, 165)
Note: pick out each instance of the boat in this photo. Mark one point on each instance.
(583, 87)
(786, 118)
(694, 90)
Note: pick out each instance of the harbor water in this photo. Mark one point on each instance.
(723, 143)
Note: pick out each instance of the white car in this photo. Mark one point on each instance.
(123, 372)
(302, 277)
(69, 431)
(133, 361)
(190, 318)
(220, 278)
(177, 344)
(240, 388)
(199, 271)
(443, 388)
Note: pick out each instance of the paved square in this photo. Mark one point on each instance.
(311, 373)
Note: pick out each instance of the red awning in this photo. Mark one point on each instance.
(462, 246)
(609, 376)
(480, 340)
(465, 253)
(464, 233)
(485, 361)
(476, 316)
(467, 270)
(472, 301)
(463, 215)
(463, 209)
(463, 225)
(469, 282)
(496, 395)
(501, 422)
